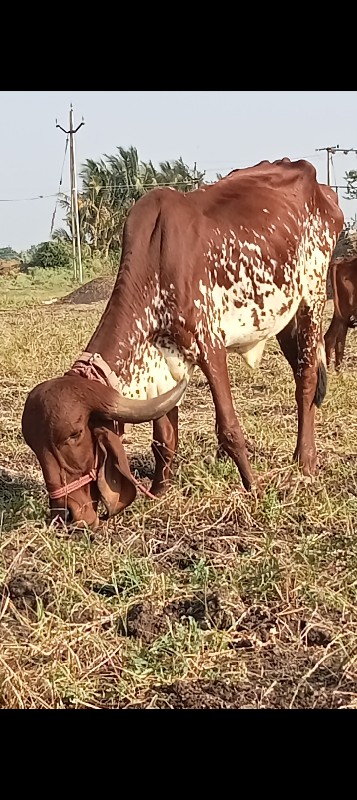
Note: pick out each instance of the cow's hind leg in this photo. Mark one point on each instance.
(165, 437)
(340, 346)
(335, 338)
(302, 344)
(229, 432)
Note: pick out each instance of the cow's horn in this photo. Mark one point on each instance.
(128, 410)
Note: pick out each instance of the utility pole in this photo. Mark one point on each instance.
(330, 151)
(76, 239)
(195, 181)
(195, 176)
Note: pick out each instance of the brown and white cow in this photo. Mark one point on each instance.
(223, 268)
(344, 292)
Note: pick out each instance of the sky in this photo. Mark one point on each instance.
(221, 131)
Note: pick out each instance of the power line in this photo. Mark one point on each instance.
(27, 199)
(66, 193)
(143, 185)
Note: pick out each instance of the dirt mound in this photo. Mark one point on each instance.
(24, 591)
(145, 623)
(92, 292)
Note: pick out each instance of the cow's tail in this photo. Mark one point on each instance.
(321, 385)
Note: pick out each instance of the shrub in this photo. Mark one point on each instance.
(51, 255)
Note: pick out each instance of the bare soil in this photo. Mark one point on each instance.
(94, 291)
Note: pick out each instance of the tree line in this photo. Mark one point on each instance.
(109, 188)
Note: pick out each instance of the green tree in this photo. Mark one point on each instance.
(351, 180)
(55, 255)
(8, 254)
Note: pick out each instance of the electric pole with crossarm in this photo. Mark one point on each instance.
(76, 239)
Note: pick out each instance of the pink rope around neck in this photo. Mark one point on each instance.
(71, 487)
(63, 491)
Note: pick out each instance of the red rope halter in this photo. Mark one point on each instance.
(63, 491)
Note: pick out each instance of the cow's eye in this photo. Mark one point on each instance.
(75, 435)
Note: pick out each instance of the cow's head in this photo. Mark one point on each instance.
(69, 424)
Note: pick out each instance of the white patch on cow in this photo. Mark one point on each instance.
(262, 302)
(155, 369)
(266, 211)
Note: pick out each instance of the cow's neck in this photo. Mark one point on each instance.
(127, 324)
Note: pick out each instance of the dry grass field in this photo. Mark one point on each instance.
(207, 598)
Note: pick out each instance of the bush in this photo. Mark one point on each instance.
(51, 255)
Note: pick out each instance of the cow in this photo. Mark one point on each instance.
(344, 291)
(223, 268)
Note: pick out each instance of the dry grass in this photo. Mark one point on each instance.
(207, 598)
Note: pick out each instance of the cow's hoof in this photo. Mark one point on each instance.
(307, 464)
(159, 489)
(258, 487)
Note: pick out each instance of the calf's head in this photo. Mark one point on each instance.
(69, 424)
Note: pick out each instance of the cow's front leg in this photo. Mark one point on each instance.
(311, 381)
(230, 436)
(165, 438)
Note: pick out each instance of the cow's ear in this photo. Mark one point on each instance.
(115, 483)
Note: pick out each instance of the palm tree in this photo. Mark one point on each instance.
(131, 177)
(111, 185)
(178, 174)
